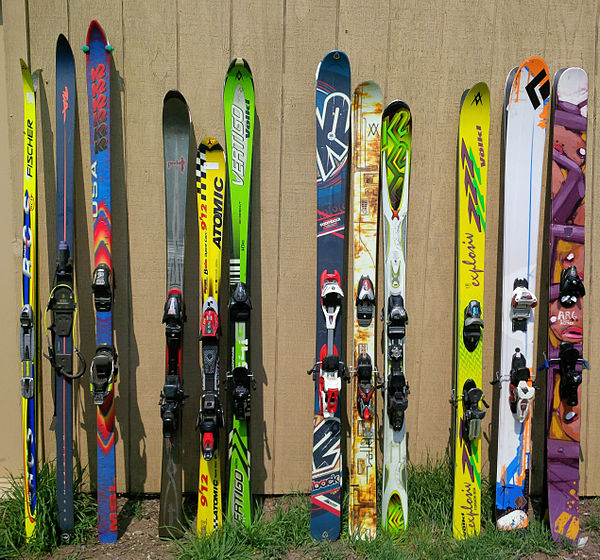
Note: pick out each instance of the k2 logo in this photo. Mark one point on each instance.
(541, 84)
(332, 133)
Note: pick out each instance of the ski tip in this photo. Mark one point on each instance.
(24, 67)
(209, 145)
(95, 29)
(174, 94)
(335, 60)
(394, 107)
(63, 48)
(239, 62)
(369, 89)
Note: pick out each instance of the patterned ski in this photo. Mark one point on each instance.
(333, 128)
(526, 120)
(238, 101)
(103, 368)
(396, 148)
(176, 140)
(28, 316)
(472, 165)
(366, 147)
(565, 328)
(210, 187)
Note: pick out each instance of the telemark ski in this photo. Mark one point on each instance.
(103, 370)
(28, 315)
(210, 190)
(238, 100)
(525, 122)
(396, 147)
(62, 302)
(472, 165)
(366, 134)
(333, 129)
(565, 313)
(176, 141)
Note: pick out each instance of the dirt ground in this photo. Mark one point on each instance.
(138, 536)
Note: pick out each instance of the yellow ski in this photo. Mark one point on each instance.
(210, 186)
(471, 192)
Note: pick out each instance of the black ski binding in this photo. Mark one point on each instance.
(103, 371)
(472, 325)
(397, 388)
(102, 288)
(364, 398)
(171, 398)
(523, 301)
(521, 394)
(239, 304)
(27, 348)
(397, 401)
(210, 419)
(571, 287)
(240, 380)
(365, 301)
(570, 378)
(473, 415)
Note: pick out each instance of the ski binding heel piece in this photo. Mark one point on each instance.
(571, 287)
(210, 419)
(103, 371)
(523, 301)
(364, 397)
(365, 301)
(473, 415)
(330, 384)
(239, 304)
(170, 399)
(397, 401)
(102, 288)
(570, 378)
(209, 322)
(472, 325)
(240, 380)
(521, 393)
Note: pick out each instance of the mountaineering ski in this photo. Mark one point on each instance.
(103, 369)
(565, 313)
(526, 115)
(238, 101)
(28, 315)
(366, 133)
(210, 190)
(176, 141)
(472, 165)
(332, 111)
(62, 302)
(396, 148)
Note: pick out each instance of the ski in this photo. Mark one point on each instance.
(332, 138)
(238, 101)
(525, 123)
(62, 302)
(366, 146)
(28, 315)
(103, 369)
(473, 139)
(396, 147)
(176, 141)
(565, 313)
(210, 190)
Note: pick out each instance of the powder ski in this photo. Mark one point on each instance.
(210, 190)
(62, 302)
(103, 370)
(238, 101)
(366, 146)
(28, 316)
(332, 111)
(396, 148)
(565, 313)
(526, 119)
(473, 139)
(176, 142)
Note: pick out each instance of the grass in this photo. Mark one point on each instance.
(12, 516)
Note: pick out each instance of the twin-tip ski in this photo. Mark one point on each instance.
(103, 368)
(176, 140)
(28, 316)
(238, 101)
(473, 138)
(565, 313)
(333, 128)
(366, 133)
(396, 146)
(62, 302)
(210, 190)
(525, 122)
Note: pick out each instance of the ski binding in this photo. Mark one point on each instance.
(397, 388)
(472, 325)
(523, 301)
(473, 415)
(521, 394)
(571, 287)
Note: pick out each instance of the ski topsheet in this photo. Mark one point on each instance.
(103, 368)
(366, 133)
(210, 187)
(526, 120)
(28, 316)
(332, 139)
(565, 313)
(396, 146)
(62, 302)
(176, 140)
(473, 138)
(238, 100)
